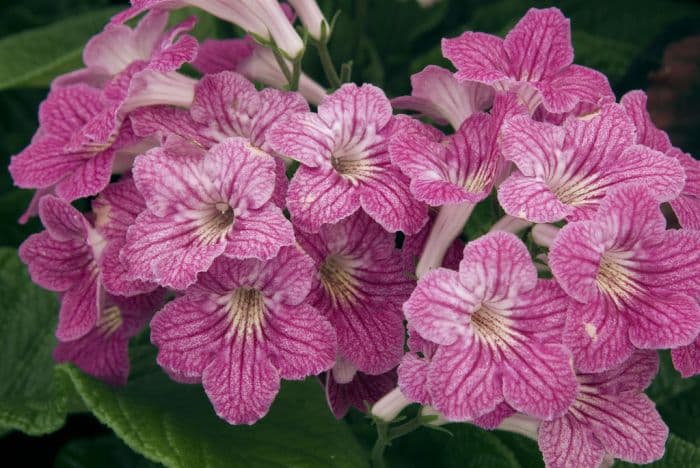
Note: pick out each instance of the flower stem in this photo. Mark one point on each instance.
(327, 64)
(448, 224)
(510, 224)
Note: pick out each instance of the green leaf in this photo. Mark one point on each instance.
(525, 449)
(682, 414)
(679, 454)
(33, 58)
(484, 216)
(174, 424)
(104, 451)
(468, 446)
(33, 395)
(668, 382)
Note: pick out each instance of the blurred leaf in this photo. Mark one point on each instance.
(468, 446)
(33, 395)
(668, 382)
(175, 424)
(12, 205)
(104, 452)
(525, 450)
(18, 16)
(682, 414)
(35, 57)
(485, 214)
(679, 454)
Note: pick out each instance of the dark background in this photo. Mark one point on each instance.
(639, 44)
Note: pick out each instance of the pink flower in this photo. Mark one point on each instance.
(687, 205)
(497, 330)
(63, 258)
(534, 60)
(264, 18)
(566, 171)
(611, 416)
(360, 286)
(67, 153)
(116, 209)
(116, 48)
(344, 163)
(437, 94)
(241, 328)
(103, 351)
(449, 170)
(415, 244)
(202, 206)
(225, 105)
(633, 283)
(347, 387)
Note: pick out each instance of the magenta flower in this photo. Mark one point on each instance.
(497, 328)
(534, 60)
(566, 171)
(103, 352)
(213, 204)
(115, 210)
(241, 328)
(225, 105)
(63, 258)
(63, 154)
(347, 387)
(455, 169)
(359, 286)
(116, 48)
(611, 416)
(437, 94)
(687, 205)
(345, 165)
(264, 18)
(632, 282)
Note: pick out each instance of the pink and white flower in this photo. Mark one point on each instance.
(359, 287)
(611, 417)
(497, 330)
(115, 49)
(534, 60)
(241, 328)
(564, 172)
(64, 258)
(345, 165)
(633, 284)
(437, 94)
(213, 204)
(225, 105)
(103, 352)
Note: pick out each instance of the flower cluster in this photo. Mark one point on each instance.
(263, 240)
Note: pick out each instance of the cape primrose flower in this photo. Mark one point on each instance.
(497, 329)
(241, 328)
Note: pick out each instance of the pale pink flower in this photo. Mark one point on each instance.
(437, 94)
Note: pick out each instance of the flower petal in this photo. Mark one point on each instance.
(477, 56)
(571, 86)
(463, 381)
(531, 199)
(567, 442)
(80, 309)
(318, 196)
(301, 342)
(241, 381)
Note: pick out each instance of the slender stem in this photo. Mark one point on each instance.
(296, 73)
(327, 63)
(282, 63)
(447, 226)
(405, 428)
(510, 224)
(378, 454)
